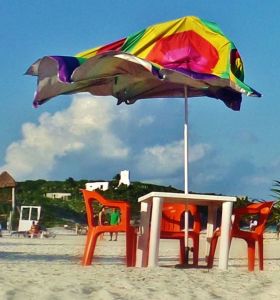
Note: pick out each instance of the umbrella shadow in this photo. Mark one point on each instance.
(33, 244)
(25, 257)
(243, 262)
(109, 260)
(186, 266)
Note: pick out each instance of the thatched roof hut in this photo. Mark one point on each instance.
(6, 180)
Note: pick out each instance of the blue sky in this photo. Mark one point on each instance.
(85, 137)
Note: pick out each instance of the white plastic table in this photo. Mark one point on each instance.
(151, 211)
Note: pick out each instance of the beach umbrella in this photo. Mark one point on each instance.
(187, 57)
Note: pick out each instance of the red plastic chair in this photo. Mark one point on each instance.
(251, 237)
(95, 230)
(171, 227)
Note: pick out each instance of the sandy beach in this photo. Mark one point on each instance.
(50, 268)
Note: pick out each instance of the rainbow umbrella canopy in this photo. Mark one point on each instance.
(165, 60)
(156, 62)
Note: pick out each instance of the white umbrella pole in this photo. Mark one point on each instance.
(186, 166)
(186, 142)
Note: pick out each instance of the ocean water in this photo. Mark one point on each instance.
(271, 228)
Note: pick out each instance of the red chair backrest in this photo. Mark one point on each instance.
(261, 209)
(172, 214)
(124, 207)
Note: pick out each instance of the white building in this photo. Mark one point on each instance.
(91, 186)
(124, 178)
(63, 196)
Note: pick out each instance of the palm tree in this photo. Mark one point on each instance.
(276, 189)
(276, 207)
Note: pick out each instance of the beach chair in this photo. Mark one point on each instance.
(95, 230)
(172, 227)
(262, 211)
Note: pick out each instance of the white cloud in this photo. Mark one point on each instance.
(94, 128)
(165, 160)
(198, 151)
(86, 125)
(161, 160)
(258, 180)
(146, 121)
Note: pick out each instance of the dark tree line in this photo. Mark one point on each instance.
(72, 210)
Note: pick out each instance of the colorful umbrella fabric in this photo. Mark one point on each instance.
(157, 62)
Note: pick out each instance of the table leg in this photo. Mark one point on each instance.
(225, 235)
(186, 229)
(155, 231)
(211, 224)
(143, 235)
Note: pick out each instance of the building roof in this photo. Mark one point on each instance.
(6, 180)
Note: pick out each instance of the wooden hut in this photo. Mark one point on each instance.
(7, 185)
(6, 180)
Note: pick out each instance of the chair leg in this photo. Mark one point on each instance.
(195, 250)
(212, 251)
(89, 248)
(251, 255)
(260, 250)
(131, 240)
(128, 245)
(182, 252)
(134, 248)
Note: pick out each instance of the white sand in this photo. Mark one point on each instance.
(51, 269)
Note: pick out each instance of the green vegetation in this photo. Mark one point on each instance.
(70, 211)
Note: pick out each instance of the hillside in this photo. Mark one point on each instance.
(58, 211)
